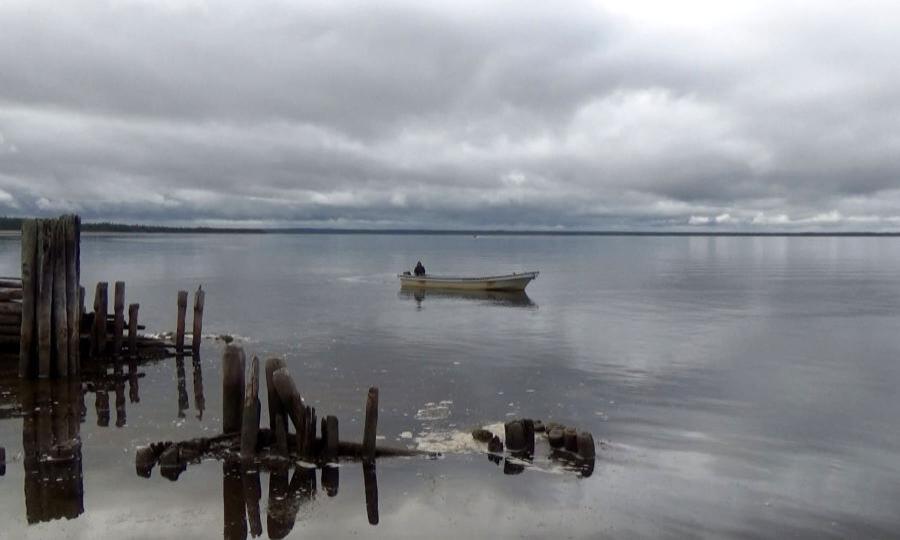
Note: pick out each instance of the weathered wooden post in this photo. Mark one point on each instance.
(233, 364)
(119, 317)
(73, 297)
(514, 434)
(293, 405)
(45, 299)
(330, 439)
(27, 343)
(250, 420)
(133, 329)
(556, 437)
(179, 327)
(101, 405)
(571, 439)
(60, 305)
(197, 335)
(369, 429)
(101, 303)
(586, 448)
(528, 428)
(311, 424)
(277, 416)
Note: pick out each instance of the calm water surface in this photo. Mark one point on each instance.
(742, 387)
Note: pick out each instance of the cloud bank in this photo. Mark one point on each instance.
(578, 115)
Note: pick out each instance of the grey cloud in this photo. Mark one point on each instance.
(456, 115)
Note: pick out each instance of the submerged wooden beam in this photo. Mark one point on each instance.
(227, 446)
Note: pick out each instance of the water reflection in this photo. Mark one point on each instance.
(288, 494)
(498, 298)
(51, 444)
(52, 412)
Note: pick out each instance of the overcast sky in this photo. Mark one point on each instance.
(626, 114)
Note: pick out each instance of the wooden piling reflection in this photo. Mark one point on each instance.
(370, 481)
(180, 377)
(52, 450)
(331, 479)
(252, 495)
(233, 502)
(199, 400)
(101, 407)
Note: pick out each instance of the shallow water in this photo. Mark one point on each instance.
(742, 387)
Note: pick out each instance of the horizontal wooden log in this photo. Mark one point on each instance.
(11, 330)
(227, 446)
(11, 308)
(11, 319)
(10, 294)
(10, 340)
(10, 283)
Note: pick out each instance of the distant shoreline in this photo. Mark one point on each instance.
(12, 225)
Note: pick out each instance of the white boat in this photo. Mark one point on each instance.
(508, 282)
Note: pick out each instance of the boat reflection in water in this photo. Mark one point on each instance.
(498, 298)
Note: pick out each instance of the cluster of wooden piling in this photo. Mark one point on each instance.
(315, 442)
(50, 311)
(241, 413)
(107, 332)
(197, 331)
(112, 335)
(575, 448)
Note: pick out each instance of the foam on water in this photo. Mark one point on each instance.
(454, 441)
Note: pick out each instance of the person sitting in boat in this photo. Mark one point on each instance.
(419, 269)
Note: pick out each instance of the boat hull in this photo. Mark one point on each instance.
(508, 282)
